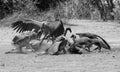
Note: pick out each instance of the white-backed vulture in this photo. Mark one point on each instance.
(96, 38)
(81, 42)
(56, 28)
(88, 39)
(50, 29)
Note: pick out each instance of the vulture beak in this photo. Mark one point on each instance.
(73, 36)
(33, 30)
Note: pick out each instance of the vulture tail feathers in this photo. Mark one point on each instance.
(103, 43)
(16, 23)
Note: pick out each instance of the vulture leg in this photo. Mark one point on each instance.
(99, 47)
(89, 45)
(81, 46)
(53, 40)
(19, 49)
(39, 34)
(96, 48)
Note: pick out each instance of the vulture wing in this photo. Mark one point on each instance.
(27, 25)
(89, 35)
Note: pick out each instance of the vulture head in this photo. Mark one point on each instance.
(72, 36)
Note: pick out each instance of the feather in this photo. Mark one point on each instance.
(21, 26)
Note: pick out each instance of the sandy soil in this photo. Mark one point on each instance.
(106, 61)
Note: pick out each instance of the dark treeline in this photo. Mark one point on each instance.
(9, 6)
(105, 7)
(68, 8)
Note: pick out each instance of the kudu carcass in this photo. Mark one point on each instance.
(40, 48)
(49, 48)
(56, 48)
(93, 39)
(49, 29)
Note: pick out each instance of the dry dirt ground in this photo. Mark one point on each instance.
(106, 61)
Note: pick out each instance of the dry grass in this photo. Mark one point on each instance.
(106, 61)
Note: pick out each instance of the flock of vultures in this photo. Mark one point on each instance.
(50, 38)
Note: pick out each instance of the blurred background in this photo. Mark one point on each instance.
(100, 10)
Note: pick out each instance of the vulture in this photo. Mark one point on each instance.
(22, 40)
(94, 36)
(80, 42)
(88, 39)
(49, 29)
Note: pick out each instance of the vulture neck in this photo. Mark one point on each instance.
(67, 29)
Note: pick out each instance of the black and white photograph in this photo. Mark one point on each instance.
(59, 35)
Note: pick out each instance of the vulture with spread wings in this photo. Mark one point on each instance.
(52, 29)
